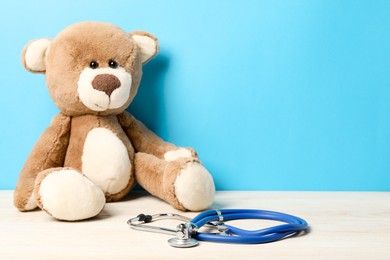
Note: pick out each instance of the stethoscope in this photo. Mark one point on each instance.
(209, 226)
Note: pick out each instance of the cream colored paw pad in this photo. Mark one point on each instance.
(68, 195)
(176, 154)
(194, 187)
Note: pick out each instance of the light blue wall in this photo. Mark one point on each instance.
(274, 95)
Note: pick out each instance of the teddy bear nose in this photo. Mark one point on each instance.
(106, 83)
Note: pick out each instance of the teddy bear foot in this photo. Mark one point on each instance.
(194, 187)
(66, 194)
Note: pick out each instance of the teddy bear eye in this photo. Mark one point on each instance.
(113, 64)
(93, 64)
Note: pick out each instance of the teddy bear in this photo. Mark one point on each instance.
(94, 151)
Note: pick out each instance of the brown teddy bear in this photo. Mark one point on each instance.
(94, 151)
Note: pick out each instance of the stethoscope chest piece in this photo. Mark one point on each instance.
(183, 243)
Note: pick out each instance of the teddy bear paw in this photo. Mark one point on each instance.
(68, 195)
(194, 187)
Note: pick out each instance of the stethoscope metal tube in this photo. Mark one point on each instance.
(188, 233)
(182, 232)
(138, 221)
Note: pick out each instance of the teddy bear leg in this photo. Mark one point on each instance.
(184, 183)
(66, 194)
(23, 194)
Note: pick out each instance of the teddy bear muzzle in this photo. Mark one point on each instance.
(104, 88)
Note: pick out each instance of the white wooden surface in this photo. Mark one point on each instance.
(344, 225)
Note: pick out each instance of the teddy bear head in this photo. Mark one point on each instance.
(91, 67)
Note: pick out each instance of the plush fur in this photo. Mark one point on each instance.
(94, 149)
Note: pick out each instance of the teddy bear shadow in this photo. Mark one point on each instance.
(148, 105)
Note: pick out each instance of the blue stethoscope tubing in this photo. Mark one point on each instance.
(241, 236)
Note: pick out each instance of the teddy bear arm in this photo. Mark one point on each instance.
(48, 152)
(145, 141)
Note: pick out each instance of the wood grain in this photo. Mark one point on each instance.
(344, 225)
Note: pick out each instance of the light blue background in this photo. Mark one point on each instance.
(274, 95)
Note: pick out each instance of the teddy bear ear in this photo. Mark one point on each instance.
(147, 43)
(34, 55)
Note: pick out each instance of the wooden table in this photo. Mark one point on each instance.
(344, 225)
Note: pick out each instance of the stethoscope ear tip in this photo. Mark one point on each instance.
(183, 243)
